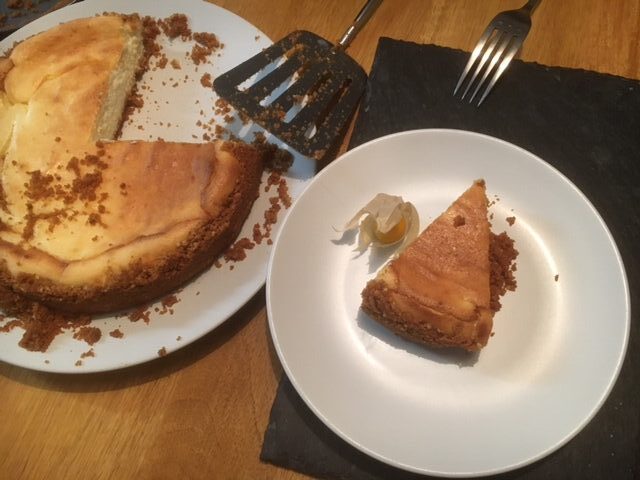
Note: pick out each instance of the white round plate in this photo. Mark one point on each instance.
(171, 113)
(558, 345)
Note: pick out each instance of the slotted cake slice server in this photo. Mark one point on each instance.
(302, 89)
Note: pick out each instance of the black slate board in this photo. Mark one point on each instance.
(585, 124)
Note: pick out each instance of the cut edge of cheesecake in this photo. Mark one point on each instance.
(437, 291)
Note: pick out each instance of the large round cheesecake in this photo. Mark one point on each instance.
(88, 224)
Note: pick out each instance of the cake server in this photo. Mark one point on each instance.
(302, 89)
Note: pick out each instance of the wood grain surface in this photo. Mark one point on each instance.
(202, 411)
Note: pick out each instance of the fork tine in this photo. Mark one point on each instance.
(483, 59)
(504, 42)
(474, 55)
(511, 52)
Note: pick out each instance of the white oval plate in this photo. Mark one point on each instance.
(171, 113)
(558, 345)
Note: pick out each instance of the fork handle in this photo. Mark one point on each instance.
(531, 6)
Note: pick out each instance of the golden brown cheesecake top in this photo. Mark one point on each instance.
(145, 197)
(448, 264)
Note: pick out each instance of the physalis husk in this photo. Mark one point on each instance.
(387, 220)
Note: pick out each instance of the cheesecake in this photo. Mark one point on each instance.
(88, 223)
(438, 290)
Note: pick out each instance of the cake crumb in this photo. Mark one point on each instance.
(162, 352)
(117, 333)
(89, 353)
(237, 251)
(556, 277)
(90, 335)
(162, 63)
(41, 326)
(142, 313)
(511, 220)
(167, 302)
(78, 363)
(206, 81)
(177, 25)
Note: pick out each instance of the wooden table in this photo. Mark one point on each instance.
(202, 411)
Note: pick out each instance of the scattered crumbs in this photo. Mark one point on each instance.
(237, 251)
(556, 277)
(175, 63)
(90, 335)
(162, 63)
(162, 352)
(222, 107)
(142, 313)
(117, 333)
(178, 338)
(197, 293)
(205, 80)
(168, 302)
(257, 234)
(47, 362)
(511, 220)
(41, 326)
(89, 353)
(206, 44)
(256, 38)
(283, 193)
(177, 25)
(78, 363)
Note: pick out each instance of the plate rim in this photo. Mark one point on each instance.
(363, 448)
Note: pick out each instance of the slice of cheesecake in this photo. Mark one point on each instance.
(438, 290)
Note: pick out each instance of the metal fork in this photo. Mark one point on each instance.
(499, 43)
